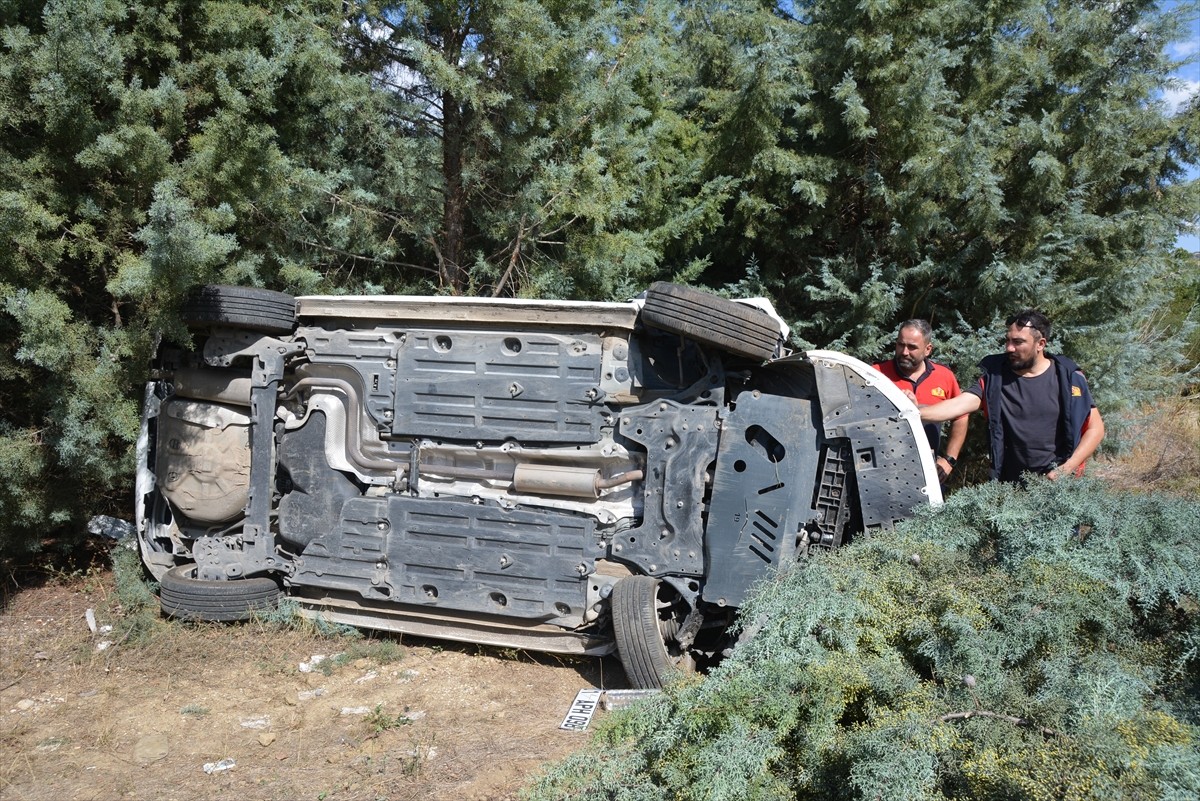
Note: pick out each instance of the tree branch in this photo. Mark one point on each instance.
(512, 261)
(983, 713)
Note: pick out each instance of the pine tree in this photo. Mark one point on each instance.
(956, 161)
(148, 148)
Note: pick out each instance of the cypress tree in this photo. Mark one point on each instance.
(547, 153)
(859, 162)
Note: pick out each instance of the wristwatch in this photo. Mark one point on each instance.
(951, 460)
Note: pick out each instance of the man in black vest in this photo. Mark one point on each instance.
(1041, 417)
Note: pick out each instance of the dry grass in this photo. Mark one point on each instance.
(1159, 452)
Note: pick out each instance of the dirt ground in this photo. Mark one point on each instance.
(82, 720)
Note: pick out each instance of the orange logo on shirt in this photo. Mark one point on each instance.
(937, 392)
(1076, 392)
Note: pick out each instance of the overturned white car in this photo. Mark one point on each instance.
(556, 476)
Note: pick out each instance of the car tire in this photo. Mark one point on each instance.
(705, 318)
(647, 615)
(240, 307)
(186, 597)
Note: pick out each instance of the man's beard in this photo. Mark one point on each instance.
(906, 363)
(1020, 364)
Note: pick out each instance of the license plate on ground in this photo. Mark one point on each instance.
(581, 711)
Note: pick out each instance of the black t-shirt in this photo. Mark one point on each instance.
(1030, 417)
(1030, 424)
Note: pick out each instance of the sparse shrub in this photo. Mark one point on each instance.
(284, 617)
(381, 721)
(412, 761)
(325, 628)
(379, 651)
(134, 591)
(288, 616)
(1013, 644)
(137, 596)
(1160, 450)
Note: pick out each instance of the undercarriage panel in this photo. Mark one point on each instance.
(457, 555)
(532, 387)
(762, 497)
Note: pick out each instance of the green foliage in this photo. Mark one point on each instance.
(1035, 644)
(288, 615)
(546, 156)
(954, 161)
(134, 592)
(381, 721)
(147, 149)
(140, 620)
(284, 616)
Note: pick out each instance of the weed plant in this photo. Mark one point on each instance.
(379, 651)
(138, 597)
(381, 721)
(1039, 643)
(288, 616)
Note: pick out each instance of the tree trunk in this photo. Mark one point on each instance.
(454, 206)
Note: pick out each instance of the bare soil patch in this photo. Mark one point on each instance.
(81, 720)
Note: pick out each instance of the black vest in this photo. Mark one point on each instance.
(1073, 411)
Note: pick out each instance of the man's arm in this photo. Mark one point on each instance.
(954, 443)
(949, 409)
(1087, 446)
(958, 435)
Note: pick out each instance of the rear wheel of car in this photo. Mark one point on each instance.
(647, 615)
(186, 597)
(732, 327)
(240, 307)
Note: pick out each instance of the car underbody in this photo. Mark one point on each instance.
(554, 476)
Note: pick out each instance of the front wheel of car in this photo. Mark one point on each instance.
(647, 616)
(186, 597)
(733, 327)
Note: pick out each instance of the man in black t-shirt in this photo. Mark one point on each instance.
(1041, 417)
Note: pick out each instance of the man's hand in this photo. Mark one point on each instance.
(944, 469)
(1088, 442)
(1064, 469)
(912, 396)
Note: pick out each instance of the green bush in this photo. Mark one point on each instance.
(1012, 644)
(140, 620)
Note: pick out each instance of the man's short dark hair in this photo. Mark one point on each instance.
(921, 325)
(1030, 318)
